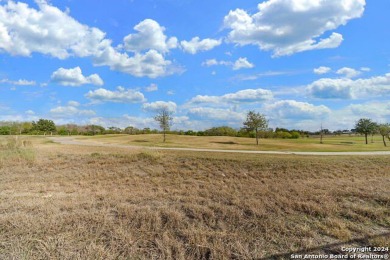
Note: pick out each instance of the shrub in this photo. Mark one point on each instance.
(295, 135)
(283, 134)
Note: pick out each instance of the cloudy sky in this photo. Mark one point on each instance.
(115, 63)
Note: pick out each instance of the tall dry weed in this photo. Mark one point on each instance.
(16, 150)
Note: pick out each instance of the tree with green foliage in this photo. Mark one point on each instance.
(9, 128)
(25, 127)
(113, 130)
(131, 130)
(221, 131)
(61, 130)
(384, 130)
(5, 130)
(146, 130)
(283, 134)
(295, 135)
(73, 129)
(374, 131)
(94, 130)
(190, 132)
(255, 122)
(365, 126)
(164, 118)
(44, 125)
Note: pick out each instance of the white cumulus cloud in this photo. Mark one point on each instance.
(197, 45)
(287, 27)
(121, 95)
(210, 62)
(240, 63)
(150, 36)
(378, 110)
(75, 77)
(47, 30)
(365, 69)
(151, 64)
(218, 114)
(348, 72)
(19, 82)
(242, 96)
(30, 112)
(51, 31)
(152, 87)
(70, 111)
(158, 105)
(346, 88)
(73, 103)
(322, 70)
(291, 109)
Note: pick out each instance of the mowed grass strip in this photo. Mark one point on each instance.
(105, 203)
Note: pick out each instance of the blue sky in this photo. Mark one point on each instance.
(299, 62)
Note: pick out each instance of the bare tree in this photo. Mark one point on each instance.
(164, 118)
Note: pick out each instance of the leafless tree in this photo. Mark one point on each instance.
(164, 118)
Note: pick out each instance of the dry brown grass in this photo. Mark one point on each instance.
(330, 143)
(74, 202)
(16, 149)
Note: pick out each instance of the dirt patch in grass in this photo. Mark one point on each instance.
(141, 141)
(106, 203)
(227, 142)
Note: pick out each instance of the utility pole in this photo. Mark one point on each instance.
(321, 134)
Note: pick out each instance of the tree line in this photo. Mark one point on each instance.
(48, 127)
(255, 126)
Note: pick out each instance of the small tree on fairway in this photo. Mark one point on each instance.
(365, 126)
(384, 130)
(255, 122)
(164, 118)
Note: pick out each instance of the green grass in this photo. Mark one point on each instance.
(330, 143)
